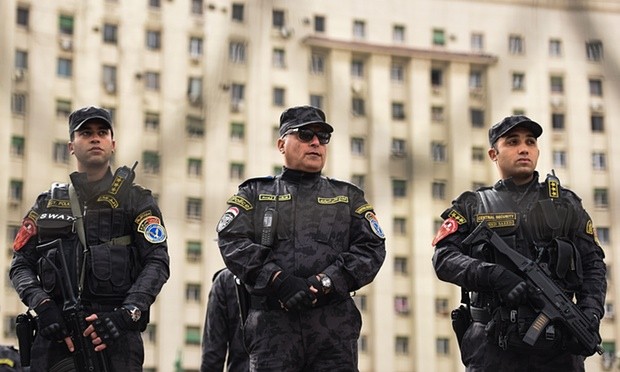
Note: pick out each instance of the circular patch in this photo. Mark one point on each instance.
(155, 233)
(374, 224)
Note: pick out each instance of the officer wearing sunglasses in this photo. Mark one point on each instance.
(301, 243)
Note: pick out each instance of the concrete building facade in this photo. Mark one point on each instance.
(196, 88)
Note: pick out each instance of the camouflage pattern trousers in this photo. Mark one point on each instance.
(318, 339)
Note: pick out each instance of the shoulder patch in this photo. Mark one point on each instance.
(227, 218)
(155, 233)
(363, 209)
(374, 224)
(240, 201)
(448, 227)
(27, 231)
(458, 218)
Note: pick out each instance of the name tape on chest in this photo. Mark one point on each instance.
(496, 220)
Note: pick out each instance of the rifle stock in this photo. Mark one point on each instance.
(555, 305)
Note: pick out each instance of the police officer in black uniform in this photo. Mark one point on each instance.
(301, 242)
(541, 220)
(117, 272)
(222, 339)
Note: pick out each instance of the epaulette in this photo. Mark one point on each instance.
(217, 273)
(254, 179)
(347, 183)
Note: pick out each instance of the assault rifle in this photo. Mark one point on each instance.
(555, 304)
(85, 357)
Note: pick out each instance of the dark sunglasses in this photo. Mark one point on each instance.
(306, 135)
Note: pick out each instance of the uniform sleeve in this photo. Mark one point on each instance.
(23, 269)
(215, 332)
(450, 261)
(358, 266)
(152, 246)
(250, 261)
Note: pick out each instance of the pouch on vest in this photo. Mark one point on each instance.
(110, 266)
(565, 263)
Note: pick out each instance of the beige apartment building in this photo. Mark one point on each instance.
(411, 86)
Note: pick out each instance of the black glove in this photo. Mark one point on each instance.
(50, 322)
(316, 283)
(511, 287)
(574, 346)
(293, 292)
(592, 316)
(112, 325)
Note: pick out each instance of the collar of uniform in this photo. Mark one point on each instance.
(87, 190)
(508, 184)
(297, 176)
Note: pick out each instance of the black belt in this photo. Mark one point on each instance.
(480, 314)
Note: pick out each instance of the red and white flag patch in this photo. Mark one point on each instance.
(27, 231)
(448, 227)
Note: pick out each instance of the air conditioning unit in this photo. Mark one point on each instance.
(195, 57)
(237, 106)
(557, 102)
(194, 98)
(66, 44)
(357, 86)
(110, 87)
(596, 106)
(286, 32)
(19, 74)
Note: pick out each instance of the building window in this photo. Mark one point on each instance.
(192, 292)
(237, 93)
(437, 114)
(477, 42)
(151, 122)
(597, 123)
(194, 167)
(195, 47)
(17, 146)
(518, 81)
(192, 335)
(153, 40)
(596, 87)
(109, 78)
(21, 59)
(603, 235)
(401, 345)
(236, 52)
(279, 97)
(316, 101)
(16, 190)
(438, 152)
(398, 34)
(594, 50)
(397, 72)
(64, 67)
(278, 59)
(156, 4)
(559, 158)
(150, 161)
(599, 161)
(601, 199)
(23, 16)
(477, 117)
(557, 84)
(359, 29)
(237, 12)
(443, 346)
(194, 208)
(439, 37)
(237, 132)
(362, 344)
(439, 190)
(277, 19)
(61, 153)
(477, 154)
(193, 251)
(399, 188)
(557, 121)
(319, 23)
(358, 107)
(359, 180)
(317, 63)
(194, 89)
(516, 45)
(357, 146)
(18, 103)
(401, 265)
(195, 127)
(475, 80)
(357, 69)
(442, 306)
(401, 305)
(151, 80)
(65, 24)
(398, 111)
(555, 48)
(361, 301)
(237, 171)
(197, 7)
(399, 147)
(63, 108)
(110, 33)
(9, 329)
(436, 78)
(400, 226)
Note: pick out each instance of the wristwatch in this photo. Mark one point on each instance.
(133, 311)
(326, 282)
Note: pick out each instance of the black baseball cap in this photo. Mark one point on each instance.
(299, 116)
(84, 114)
(509, 122)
